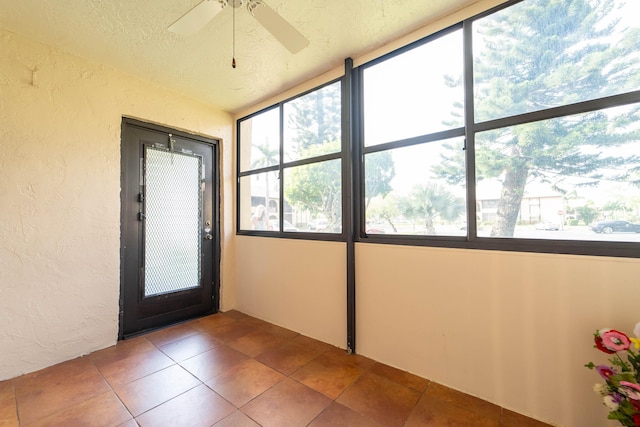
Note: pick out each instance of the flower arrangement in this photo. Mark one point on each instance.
(621, 389)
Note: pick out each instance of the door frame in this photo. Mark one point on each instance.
(129, 206)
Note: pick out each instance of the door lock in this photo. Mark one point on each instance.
(208, 236)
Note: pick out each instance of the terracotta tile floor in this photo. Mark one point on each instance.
(233, 370)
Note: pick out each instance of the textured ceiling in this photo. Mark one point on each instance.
(131, 35)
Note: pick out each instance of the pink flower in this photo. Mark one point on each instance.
(605, 371)
(614, 340)
(600, 346)
(631, 390)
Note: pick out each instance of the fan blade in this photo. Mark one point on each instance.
(284, 32)
(195, 19)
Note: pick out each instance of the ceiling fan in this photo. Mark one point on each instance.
(200, 15)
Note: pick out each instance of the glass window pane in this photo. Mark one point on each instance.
(314, 193)
(313, 123)
(538, 54)
(567, 178)
(260, 140)
(417, 190)
(173, 221)
(259, 201)
(415, 93)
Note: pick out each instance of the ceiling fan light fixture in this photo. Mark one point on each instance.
(279, 28)
(196, 18)
(200, 15)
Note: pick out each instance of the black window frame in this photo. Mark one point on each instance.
(354, 150)
(282, 166)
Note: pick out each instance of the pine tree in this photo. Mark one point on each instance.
(539, 54)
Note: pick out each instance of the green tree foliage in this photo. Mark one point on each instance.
(379, 171)
(314, 123)
(315, 118)
(587, 213)
(540, 54)
(317, 187)
(385, 209)
(428, 202)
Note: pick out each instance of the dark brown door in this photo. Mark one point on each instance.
(170, 240)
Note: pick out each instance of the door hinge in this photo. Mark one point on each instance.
(141, 216)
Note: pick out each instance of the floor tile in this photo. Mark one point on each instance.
(134, 367)
(279, 331)
(434, 412)
(479, 406)
(332, 372)
(53, 374)
(130, 423)
(237, 315)
(287, 404)
(53, 389)
(155, 389)
(205, 323)
(198, 407)
(190, 346)
(104, 410)
(6, 390)
(337, 415)
(121, 350)
(401, 377)
(8, 412)
(230, 331)
(293, 354)
(191, 374)
(380, 399)
(237, 419)
(254, 322)
(512, 419)
(244, 381)
(213, 362)
(170, 334)
(256, 342)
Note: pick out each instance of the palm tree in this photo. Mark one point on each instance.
(428, 202)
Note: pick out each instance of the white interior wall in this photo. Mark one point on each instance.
(512, 328)
(297, 284)
(60, 195)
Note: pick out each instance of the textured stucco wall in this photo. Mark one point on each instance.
(60, 120)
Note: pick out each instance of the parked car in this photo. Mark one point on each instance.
(615, 227)
(375, 230)
(547, 225)
(319, 225)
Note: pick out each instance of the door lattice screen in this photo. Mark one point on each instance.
(173, 221)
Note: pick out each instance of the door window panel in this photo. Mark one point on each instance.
(173, 220)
